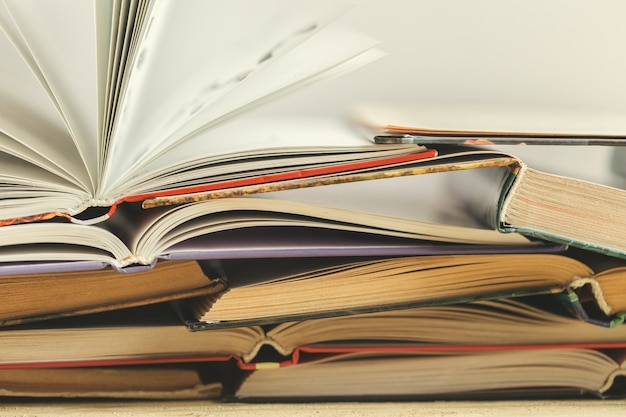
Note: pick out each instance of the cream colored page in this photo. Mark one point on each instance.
(63, 242)
(61, 36)
(253, 134)
(497, 118)
(331, 47)
(185, 66)
(106, 15)
(31, 125)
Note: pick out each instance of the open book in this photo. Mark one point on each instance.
(280, 290)
(152, 336)
(115, 100)
(524, 373)
(135, 235)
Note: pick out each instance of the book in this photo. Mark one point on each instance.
(504, 374)
(324, 287)
(139, 236)
(375, 375)
(122, 382)
(154, 334)
(44, 296)
(489, 124)
(506, 195)
(549, 206)
(112, 101)
(465, 195)
(154, 339)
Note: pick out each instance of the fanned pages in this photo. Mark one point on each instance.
(96, 95)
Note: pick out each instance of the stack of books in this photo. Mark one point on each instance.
(152, 246)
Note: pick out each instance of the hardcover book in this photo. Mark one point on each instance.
(261, 363)
(43, 296)
(463, 195)
(43, 290)
(505, 195)
(327, 287)
(490, 374)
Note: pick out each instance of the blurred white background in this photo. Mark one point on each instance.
(547, 53)
(536, 52)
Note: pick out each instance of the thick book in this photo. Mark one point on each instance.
(494, 189)
(112, 101)
(548, 373)
(236, 358)
(147, 382)
(325, 287)
(44, 296)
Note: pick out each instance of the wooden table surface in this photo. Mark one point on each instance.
(565, 408)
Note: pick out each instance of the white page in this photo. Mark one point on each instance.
(105, 15)
(94, 242)
(423, 197)
(52, 253)
(330, 47)
(17, 149)
(61, 37)
(28, 116)
(253, 134)
(193, 52)
(127, 24)
(335, 46)
(27, 189)
(15, 172)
